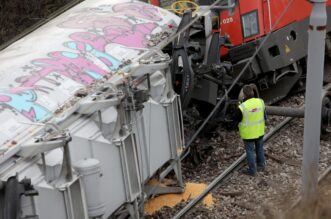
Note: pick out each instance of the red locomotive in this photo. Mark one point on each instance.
(253, 19)
(281, 61)
(258, 42)
(278, 66)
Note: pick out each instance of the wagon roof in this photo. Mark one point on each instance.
(90, 42)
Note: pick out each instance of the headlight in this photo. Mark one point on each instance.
(250, 24)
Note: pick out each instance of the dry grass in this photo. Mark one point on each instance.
(318, 208)
(17, 15)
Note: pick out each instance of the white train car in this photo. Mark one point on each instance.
(88, 114)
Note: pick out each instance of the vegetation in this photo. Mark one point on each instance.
(17, 15)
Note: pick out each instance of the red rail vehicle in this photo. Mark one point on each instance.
(261, 42)
(282, 58)
(204, 68)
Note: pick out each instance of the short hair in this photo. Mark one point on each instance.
(248, 91)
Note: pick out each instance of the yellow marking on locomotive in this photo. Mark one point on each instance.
(287, 49)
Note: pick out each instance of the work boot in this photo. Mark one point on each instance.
(260, 169)
(248, 172)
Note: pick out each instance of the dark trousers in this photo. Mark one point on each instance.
(255, 156)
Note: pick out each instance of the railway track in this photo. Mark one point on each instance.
(220, 178)
(241, 196)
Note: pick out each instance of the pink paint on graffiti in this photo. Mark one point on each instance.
(77, 68)
(25, 78)
(106, 61)
(120, 32)
(134, 10)
(98, 42)
(137, 37)
(112, 29)
(98, 22)
(137, 10)
(23, 100)
(4, 99)
(19, 90)
(101, 55)
(31, 114)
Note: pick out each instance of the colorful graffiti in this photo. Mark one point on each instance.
(128, 25)
(23, 101)
(109, 29)
(137, 10)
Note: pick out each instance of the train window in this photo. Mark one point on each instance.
(250, 24)
(274, 51)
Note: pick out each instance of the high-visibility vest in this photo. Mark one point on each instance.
(252, 124)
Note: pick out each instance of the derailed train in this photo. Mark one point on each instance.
(220, 45)
(88, 114)
(88, 110)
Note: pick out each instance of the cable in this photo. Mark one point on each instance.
(238, 77)
(163, 44)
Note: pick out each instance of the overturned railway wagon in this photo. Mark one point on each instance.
(88, 113)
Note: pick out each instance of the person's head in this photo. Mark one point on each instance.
(248, 92)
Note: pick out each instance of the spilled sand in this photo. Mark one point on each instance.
(191, 191)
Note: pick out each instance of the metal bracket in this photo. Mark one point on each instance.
(105, 96)
(150, 65)
(52, 138)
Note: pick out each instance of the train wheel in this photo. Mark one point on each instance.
(184, 76)
(179, 7)
(181, 69)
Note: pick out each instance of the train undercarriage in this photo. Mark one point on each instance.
(202, 77)
(274, 65)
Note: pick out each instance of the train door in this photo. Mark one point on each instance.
(251, 18)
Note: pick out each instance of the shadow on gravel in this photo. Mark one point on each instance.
(303, 211)
(319, 209)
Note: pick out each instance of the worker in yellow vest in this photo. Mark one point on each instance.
(251, 117)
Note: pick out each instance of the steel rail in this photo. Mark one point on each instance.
(226, 173)
(238, 77)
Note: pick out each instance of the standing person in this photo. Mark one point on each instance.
(251, 117)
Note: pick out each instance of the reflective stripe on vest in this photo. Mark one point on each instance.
(252, 124)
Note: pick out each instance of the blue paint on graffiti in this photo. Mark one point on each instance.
(23, 101)
(70, 55)
(107, 59)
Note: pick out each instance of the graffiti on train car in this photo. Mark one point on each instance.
(120, 31)
(129, 25)
(23, 101)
